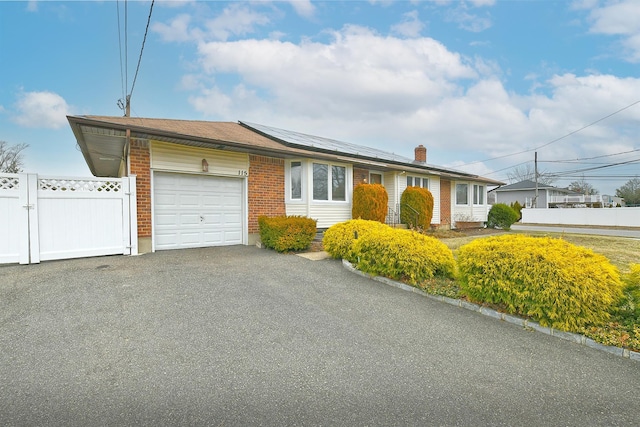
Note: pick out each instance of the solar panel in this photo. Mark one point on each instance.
(326, 144)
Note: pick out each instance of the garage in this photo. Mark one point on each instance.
(192, 211)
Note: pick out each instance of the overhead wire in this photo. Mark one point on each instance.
(135, 77)
(124, 102)
(557, 139)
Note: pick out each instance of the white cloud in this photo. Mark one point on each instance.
(393, 93)
(468, 21)
(303, 7)
(235, 20)
(352, 75)
(411, 26)
(41, 110)
(176, 31)
(619, 19)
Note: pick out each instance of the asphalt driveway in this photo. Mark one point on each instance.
(244, 336)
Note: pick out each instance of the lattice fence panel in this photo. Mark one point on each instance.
(79, 185)
(9, 183)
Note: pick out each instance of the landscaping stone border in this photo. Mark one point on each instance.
(527, 324)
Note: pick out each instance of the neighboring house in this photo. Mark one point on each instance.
(206, 183)
(612, 201)
(524, 192)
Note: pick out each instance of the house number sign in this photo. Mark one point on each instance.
(242, 172)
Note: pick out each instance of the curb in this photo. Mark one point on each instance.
(527, 324)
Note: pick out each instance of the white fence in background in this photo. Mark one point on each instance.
(46, 218)
(607, 217)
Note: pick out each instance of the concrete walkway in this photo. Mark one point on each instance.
(241, 336)
(619, 232)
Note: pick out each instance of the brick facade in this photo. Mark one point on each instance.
(360, 176)
(445, 203)
(266, 189)
(140, 162)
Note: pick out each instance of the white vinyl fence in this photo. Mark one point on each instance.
(45, 218)
(609, 217)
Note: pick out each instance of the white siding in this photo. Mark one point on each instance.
(469, 212)
(325, 212)
(434, 188)
(182, 158)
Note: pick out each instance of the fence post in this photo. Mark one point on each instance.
(133, 214)
(33, 214)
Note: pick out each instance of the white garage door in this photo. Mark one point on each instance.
(192, 211)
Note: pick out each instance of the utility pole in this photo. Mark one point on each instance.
(536, 176)
(127, 107)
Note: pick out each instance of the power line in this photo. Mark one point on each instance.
(557, 139)
(135, 77)
(125, 102)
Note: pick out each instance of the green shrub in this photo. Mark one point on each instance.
(370, 202)
(501, 216)
(402, 255)
(287, 233)
(338, 238)
(628, 308)
(516, 206)
(419, 200)
(554, 282)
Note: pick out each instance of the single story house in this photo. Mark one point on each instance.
(524, 192)
(205, 183)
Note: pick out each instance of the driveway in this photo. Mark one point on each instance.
(242, 336)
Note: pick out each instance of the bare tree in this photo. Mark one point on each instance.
(583, 187)
(11, 157)
(527, 172)
(630, 192)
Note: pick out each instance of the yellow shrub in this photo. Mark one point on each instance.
(554, 282)
(403, 255)
(370, 202)
(338, 238)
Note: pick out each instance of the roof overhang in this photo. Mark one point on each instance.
(103, 142)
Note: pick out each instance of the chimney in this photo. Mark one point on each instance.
(421, 154)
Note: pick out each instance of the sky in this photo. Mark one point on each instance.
(483, 84)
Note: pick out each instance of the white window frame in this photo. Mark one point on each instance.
(479, 195)
(303, 183)
(466, 203)
(422, 181)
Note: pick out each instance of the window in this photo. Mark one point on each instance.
(415, 181)
(296, 180)
(478, 194)
(329, 183)
(320, 181)
(375, 178)
(462, 194)
(338, 183)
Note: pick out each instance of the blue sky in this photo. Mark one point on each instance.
(474, 81)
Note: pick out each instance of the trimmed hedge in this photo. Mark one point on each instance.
(287, 233)
(402, 255)
(370, 202)
(554, 282)
(501, 216)
(421, 200)
(338, 238)
(390, 252)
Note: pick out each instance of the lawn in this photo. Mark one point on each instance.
(621, 251)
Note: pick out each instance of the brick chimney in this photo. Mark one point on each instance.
(421, 154)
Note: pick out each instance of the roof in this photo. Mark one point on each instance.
(102, 141)
(529, 185)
